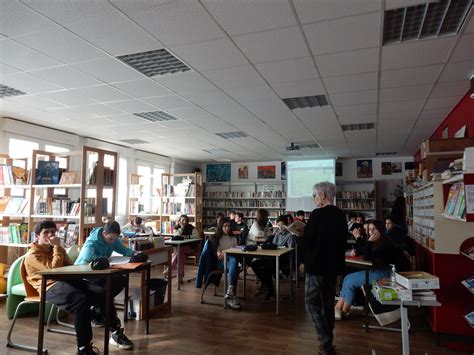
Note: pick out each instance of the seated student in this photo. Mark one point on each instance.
(231, 218)
(352, 219)
(219, 218)
(259, 228)
(187, 231)
(264, 267)
(135, 225)
(75, 296)
(224, 239)
(289, 219)
(399, 238)
(360, 218)
(241, 227)
(300, 216)
(382, 252)
(100, 243)
(360, 237)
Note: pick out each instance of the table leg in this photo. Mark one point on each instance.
(178, 258)
(366, 302)
(125, 301)
(147, 299)
(245, 274)
(291, 275)
(41, 316)
(296, 264)
(108, 311)
(405, 336)
(225, 279)
(277, 278)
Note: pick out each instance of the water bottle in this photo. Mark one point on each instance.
(393, 281)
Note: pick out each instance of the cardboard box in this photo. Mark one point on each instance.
(417, 280)
(444, 145)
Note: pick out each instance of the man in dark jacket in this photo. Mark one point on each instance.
(324, 245)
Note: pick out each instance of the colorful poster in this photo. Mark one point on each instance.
(386, 168)
(396, 167)
(218, 172)
(243, 172)
(364, 168)
(283, 170)
(266, 172)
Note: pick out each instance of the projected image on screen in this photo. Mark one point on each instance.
(301, 177)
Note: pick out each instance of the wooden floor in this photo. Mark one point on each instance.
(194, 328)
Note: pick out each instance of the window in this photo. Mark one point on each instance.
(122, 193)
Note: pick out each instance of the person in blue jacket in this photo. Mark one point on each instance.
(101, 243)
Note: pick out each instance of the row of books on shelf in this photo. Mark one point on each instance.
(47, 173)
(176, 208)
(456, 201)
(9, 175)
(108, 178)
(244, 203)
(167, 227)
(136, 207)
(356, 204)
(62, 207)
(14, 206)
(14, 234)
(355, 194)
(179, 190)
(245, 194)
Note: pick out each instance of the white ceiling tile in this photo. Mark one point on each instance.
(435, 113)
(426, 126)
(18, 19)
(280, 44)
(66, 77)
(35, 102)
(299, 88)
(442, 102)
(102, 93)
(28, 83)
(129, 7)
(7, 69)
(206, 98)
(73, 113)
(418, 53)
(98, 110)
(168, 102)
(353, 111)
(455, 88)
(397, 116)
(332, 36)
(127, 120)
(22, 57)
(243, 16)
(192, 114)
(235, 77)
(142, 88)
(464, 49)
(352, 119)
(412, 106)
(288, 70)
(354, 98)
(405, 93)
(185, 82)
(178, 125)
(352, 62)
(115, 34)
(410, 76)
(251, 93)
(216, 125)
(215, 54)
(68, 98)
(469, 24)
(132, 106)
(60, 44)
(108, 70)
(457, 71)
(347, 83)
(320, 10)
(178, 22)
(70, 11)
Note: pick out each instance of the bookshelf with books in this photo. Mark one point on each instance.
(458, 194)
(357, 197)
(144, 196)
(181, 194)
(246, 198)
(440, 241)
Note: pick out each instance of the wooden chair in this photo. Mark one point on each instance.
(32, 297)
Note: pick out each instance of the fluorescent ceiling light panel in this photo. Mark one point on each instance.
(215, 151)
(156, 116)
(6, 91)
(229, 135)
(357, 127)
(429, 20)
(308, 146)
(133, 141)
(306, 101)
(157, 62)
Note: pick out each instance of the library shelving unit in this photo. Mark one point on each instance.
(357, 197)
(145, 198)
(181, 194)
(14, 208)
(245, 197)
(440, 240)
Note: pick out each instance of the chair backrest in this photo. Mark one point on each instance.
(30, 290)
(73, 252)
(14, 277)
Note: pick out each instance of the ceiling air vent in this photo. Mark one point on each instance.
(309, 146)
(157, 62)
(386, 154)
(429, 20)
(306, 101)
(133, 141)
(156, 116)
(357, 127)
(229, 135)
(6, 91)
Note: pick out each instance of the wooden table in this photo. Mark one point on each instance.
(263, 253)
(177, 244)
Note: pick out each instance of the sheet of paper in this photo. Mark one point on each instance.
(116, 260)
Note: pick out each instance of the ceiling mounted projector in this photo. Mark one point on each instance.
(292, 146)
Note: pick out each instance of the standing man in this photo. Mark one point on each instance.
(324, 245)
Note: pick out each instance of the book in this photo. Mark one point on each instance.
(469, 283)
(72, 235)
(47, 173)
(68, 177)
(296, 228)
(19, 175)
(470, 318)
(3, 203)
(13, 206)
(452, 199)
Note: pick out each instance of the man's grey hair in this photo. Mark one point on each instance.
(328, 188)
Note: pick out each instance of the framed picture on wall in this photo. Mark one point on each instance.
(218, 172)
(266, 172)
(386, 168)
(338, 168)
(364, 168)
(396, 167)
(283, 170)
(243, 172)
